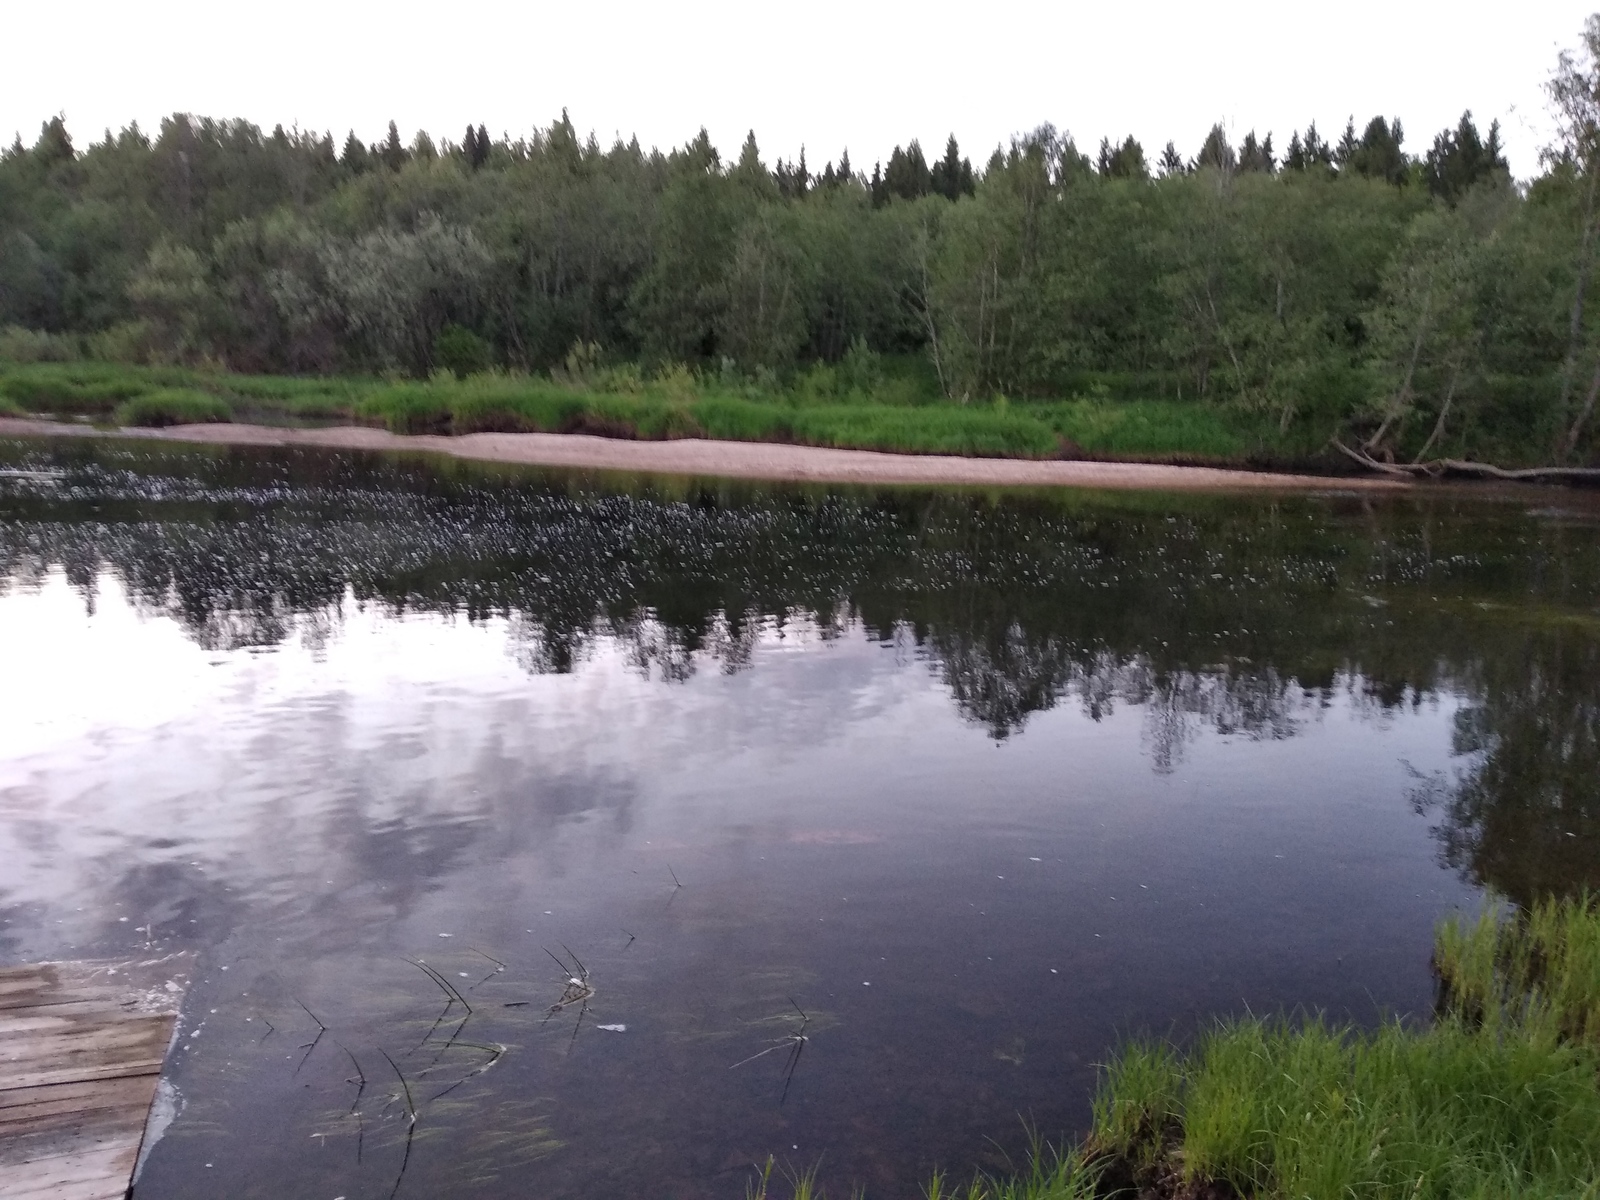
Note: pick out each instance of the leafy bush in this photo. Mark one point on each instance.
(174, 406)
(461, 352)
(21, 345)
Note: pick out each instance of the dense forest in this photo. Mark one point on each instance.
(1417, 303)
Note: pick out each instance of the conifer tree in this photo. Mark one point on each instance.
(1215, 151)
(1102, 162)
(751, 172)
(354, 156)
(907, 175)
(1308, 152)
(1125, 161)
(845, 174)
(469, 146)
(55, 143)
(482, 155)
(749, 157)
(1378, 154)
(1171, 162)
(393, 152)
(951, 177)
(1257, 156)
(1345, 151)
(1460, 158)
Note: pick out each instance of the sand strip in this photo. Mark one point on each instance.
(743, 460)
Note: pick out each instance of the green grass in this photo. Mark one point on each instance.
(815, 408)
(173, 406)
(1498, 1097)
(1149, 428)
(1537, 970)
(511, 404)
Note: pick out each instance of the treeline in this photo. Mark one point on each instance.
(1418, 303)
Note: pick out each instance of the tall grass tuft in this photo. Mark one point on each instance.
(174, 406)
(1538, 969)
(1499, 1097)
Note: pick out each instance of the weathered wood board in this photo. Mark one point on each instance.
(81, 1048)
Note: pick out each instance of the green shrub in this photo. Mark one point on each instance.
(461, 352)
(174, 406)
(21, 345)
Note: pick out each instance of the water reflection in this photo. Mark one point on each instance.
(1033, 770)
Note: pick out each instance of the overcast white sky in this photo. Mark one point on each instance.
(827, 73)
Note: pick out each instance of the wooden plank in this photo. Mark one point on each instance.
(81, 1049)
(154, 985)
(101, 1174)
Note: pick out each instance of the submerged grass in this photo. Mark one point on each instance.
(674, 404)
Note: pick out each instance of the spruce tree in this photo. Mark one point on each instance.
(1215, 151)
(1318, 152)
(1378, 155)
(1295, 158)
(55, 143)
(750, 157)
(1171, 162)
(354, 156)
(1345, 151)
(1125, 161)
(469, 146)
(951, 176)
(907, 175)
(845, 174)
(482, 148)
(1460, 158)
(1257, 156)
(393, 153)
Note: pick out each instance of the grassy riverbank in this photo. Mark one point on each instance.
(1499, 1096)
(674, 404)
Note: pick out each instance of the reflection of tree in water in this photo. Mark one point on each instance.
(1523, 814)
(1237, 615)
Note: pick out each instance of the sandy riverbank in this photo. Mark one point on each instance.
(744, 460)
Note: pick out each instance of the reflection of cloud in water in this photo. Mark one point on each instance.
(395, 754)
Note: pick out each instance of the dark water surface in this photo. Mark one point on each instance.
(980, 783)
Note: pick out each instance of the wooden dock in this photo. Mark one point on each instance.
(81, 1048)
